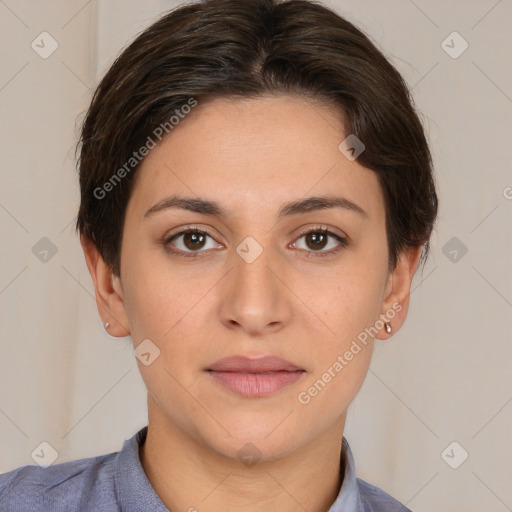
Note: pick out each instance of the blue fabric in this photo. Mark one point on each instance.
(117, 482)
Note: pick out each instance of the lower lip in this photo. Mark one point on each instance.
(256, 384)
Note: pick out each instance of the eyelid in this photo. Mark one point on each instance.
(323, 227)
(343, 241)
(168, 238)
(186, 229)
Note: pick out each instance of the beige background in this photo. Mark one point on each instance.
(446, 376)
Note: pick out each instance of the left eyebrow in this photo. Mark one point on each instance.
(320, 203)
(300, 206)
(191, 204)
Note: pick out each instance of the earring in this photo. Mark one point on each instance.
(106, 324)
(388, 327)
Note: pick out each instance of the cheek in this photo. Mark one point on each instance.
(170, 309)
(155, 298)
(350, 302)
(341, 360)
(167, 311)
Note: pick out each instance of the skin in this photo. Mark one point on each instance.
(251, 156)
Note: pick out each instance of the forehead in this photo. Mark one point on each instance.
(256, 154)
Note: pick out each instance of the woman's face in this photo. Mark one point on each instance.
(251, 283)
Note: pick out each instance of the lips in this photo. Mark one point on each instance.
(242, 364)
(253, 378)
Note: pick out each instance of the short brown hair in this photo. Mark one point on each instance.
(231, 48)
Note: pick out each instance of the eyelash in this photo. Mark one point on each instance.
(343, 242)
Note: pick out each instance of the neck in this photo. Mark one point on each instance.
(191, 476)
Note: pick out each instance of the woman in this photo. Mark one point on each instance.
(256, 196)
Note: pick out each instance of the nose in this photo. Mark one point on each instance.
(254, 297)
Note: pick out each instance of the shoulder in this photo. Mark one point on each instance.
(62, 487)
(377, 500)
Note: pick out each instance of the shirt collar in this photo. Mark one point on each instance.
(136, 492)
(349, 498)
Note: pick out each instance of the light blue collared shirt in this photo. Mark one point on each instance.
(116, 482)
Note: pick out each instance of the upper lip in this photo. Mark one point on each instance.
(245, 364)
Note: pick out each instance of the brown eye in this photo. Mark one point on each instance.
(193, 240)
(316, 240)
(190, 242)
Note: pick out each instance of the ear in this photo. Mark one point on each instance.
(108, 290)
(398, 289)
